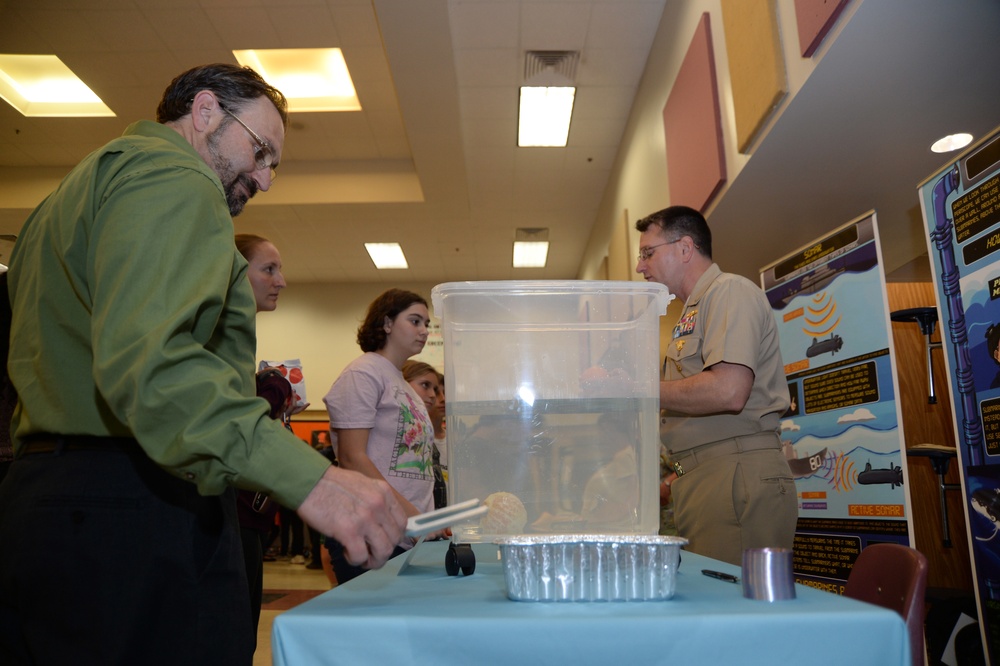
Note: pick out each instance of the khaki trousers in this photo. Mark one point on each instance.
(737, 501)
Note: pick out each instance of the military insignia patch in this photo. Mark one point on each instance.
(685, 326)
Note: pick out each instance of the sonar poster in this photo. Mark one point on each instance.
(961, 208)
(842, 435)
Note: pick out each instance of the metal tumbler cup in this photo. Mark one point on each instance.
(768, 574)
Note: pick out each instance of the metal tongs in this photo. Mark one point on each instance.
(432, 521)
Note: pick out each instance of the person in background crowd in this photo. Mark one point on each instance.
(723, 394)
(292, 536)
(255, 510)
(380, 425)
(426, 381)
(438, 414)
(322, 442)
(264, 274)
(132, 351)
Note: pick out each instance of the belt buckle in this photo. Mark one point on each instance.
(678, 469)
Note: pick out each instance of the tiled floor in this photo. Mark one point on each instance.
(283, 575)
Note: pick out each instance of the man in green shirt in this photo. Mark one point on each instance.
(132, 351)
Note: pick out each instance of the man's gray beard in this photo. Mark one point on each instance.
(224, 170)
(235, 201)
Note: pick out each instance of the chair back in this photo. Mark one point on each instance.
(893, 576)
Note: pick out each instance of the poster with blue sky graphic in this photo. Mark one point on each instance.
(961, 209)
(842, 435)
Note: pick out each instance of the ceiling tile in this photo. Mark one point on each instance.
(250, 28)
(304, 27)
(184, 30)
(357, 25)
(605, 102)
(488, 102)
(483, 25)
(390, 135)
(488, 67)
(62, 28)
(617, 25)
(608, 67)
(120, 31)
(17, 36)
(554, 26)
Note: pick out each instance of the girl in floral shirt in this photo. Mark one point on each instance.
(380, 426)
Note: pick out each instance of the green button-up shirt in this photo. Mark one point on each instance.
(132, 316)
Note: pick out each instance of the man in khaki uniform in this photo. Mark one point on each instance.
(723, 394)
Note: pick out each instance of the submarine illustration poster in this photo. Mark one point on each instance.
(842, 435)
(961, 211)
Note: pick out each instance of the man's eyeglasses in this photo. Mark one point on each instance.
(646, 252)
(263, 154)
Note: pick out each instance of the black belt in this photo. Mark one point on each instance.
(683, 462)
(44, 443)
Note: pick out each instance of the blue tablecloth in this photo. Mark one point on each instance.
(425, 616)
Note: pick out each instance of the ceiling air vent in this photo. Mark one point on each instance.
(550, 68)
(531, 234)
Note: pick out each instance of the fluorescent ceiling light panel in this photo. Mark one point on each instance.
(530, 254)
(951, 142)
(386, 255)
(545, 112)
(42, 86)
(311, 79)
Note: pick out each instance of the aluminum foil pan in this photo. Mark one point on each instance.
(590, 567)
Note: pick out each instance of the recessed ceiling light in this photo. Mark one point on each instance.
(544, 115)
(386, 255)
(42, 86)
(951, 142)
(311, 79)
(531, 254)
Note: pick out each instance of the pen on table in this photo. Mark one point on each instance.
(729, 578)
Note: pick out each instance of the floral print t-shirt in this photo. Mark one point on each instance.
(371, 393)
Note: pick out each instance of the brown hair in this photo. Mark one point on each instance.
(371, 333)
(413, 369)
(247, 244)
(232, 85)
(681, 221)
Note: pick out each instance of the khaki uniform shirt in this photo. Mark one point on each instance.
(726, 318)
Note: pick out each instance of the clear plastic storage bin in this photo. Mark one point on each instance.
(553, 404)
